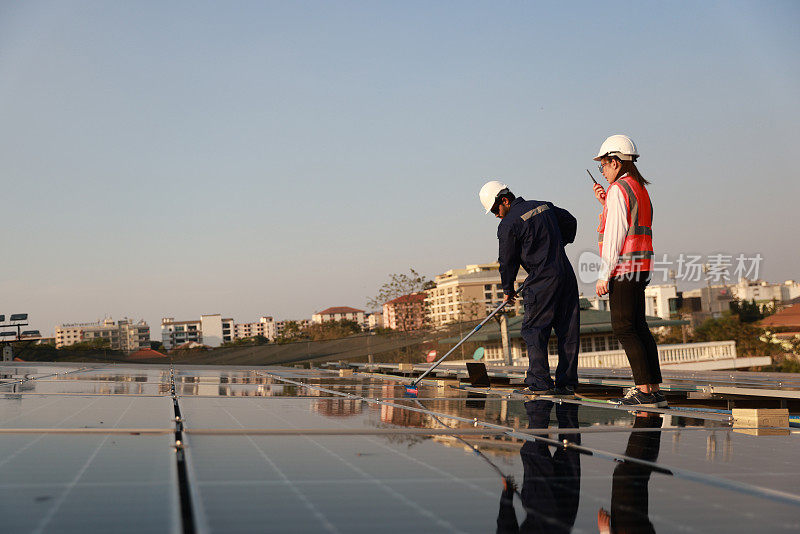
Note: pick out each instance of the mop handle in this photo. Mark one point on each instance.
(440, 360)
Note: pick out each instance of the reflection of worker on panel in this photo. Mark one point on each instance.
(629, 494)
(552, 484)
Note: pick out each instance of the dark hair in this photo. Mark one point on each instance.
(505, 193)
(508, 194)
(630, 168)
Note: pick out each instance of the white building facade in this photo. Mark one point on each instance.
(264, 327)
(125, 335)
(339, 313)
(467, 294)
(210, 330)
(764, 292)
(375, 320)
(661, 300)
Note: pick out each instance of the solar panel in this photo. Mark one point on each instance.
(276, 449)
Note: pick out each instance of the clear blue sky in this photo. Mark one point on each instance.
(248, 158)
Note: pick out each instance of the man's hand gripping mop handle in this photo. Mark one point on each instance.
(502, 305)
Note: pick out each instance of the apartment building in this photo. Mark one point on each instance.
(405, 313)
(264, 327)
(125, 335)
(467, 294)
(339, 313)
(280, 326)
(765, 293)
(210, 330)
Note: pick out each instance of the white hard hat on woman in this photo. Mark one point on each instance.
(620, 146)
(626, 248)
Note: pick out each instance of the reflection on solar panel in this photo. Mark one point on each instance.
(272, 449)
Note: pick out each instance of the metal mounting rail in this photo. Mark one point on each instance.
(184, 489)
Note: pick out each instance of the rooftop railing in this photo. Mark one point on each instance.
(667, 354)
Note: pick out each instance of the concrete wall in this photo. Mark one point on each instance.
(211, 325)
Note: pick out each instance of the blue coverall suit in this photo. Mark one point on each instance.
(533, 234)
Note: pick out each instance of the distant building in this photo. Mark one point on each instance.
(598, 303)
(405, 313)
(661, 300)
(264, 327)
(374, 320)
(124, 335)
(339, 313)
(765, 293)
(712, 301)
(280, 326)
(467, 294)
(210, 330)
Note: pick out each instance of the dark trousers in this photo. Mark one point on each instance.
(552, 305)
(629, 491)
(626, 297)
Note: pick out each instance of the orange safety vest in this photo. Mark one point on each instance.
(637, 250)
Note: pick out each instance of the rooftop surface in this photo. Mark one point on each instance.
(339, 310)
(90, 448)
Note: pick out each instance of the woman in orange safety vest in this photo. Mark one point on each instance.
(626, 248)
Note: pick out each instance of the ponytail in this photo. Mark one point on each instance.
(630, 168)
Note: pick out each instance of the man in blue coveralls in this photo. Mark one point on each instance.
(532, 234)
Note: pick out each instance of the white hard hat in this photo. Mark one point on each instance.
(620, 146)
(489, 193)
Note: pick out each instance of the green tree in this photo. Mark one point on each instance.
(332, 330)
(748, 312)
(291, 332)
(750, 339)
(97, 343)
(670, 335)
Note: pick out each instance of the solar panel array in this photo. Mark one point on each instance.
(274, 449)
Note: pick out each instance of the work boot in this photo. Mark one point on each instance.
(529, 391)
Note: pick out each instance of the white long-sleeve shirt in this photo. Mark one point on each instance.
(615, 231)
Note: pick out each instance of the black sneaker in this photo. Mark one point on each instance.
(530, 391)
(637, 398)
(567, 392)
(661, 399)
